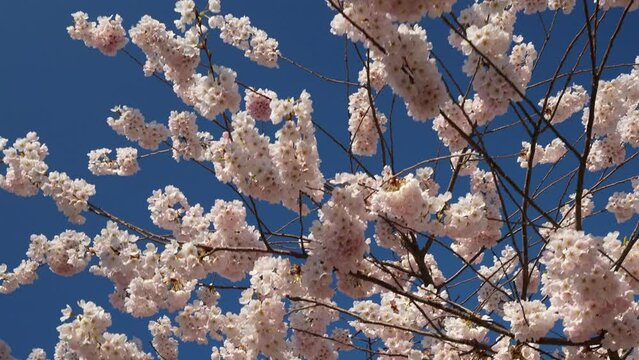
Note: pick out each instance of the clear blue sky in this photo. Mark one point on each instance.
(63, 90)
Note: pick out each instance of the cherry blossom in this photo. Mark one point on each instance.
(447, 250)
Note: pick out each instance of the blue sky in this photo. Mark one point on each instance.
(63, 90)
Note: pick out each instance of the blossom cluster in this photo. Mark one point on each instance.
(125, 163)
(397, 311)
(566, 103)
(66, 254)
(529, 320)
(494, 292)
(87, 337)
(277, 172)
(459, 119)
(130, 123)
(403, 49)
(613, 120)
(365, 123)
(478, 213)
(70, 195)
(408, 203)
(625, 205)
(458, 329)
(178, 57)
(338, 234)
(26, 170)
(107, 35)
(550, 154)
(584, 291)
(239, 32)
(373, 73)
(184, 134)
(258, 103)
(27, 173)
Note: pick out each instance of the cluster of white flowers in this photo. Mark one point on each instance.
(614, 249)
(548, 155)
(202, 316)
(568, 211)
(239, 32)
(165, 52)
(625, 205)
(623, 333)
(397, 311)
(258, 103)
(462, 117)
(163, 342)
(212, 95)
(492, 293)
(170, 210)
(148, 288)
(339, 232)
(259, 327)
(186, 9)
(275, 172)
(413, 11)
(566, 103)
(484, 200)
(70, 195)
(402, 49)
(489, 34)
(376, 73)
(36, 354)
(125, 163)
(66, 254)
(607, 4)
(130, 123)
(312, 320)
(5, 351)
(405, 204)
(107, 35)
(615, 120)
(466, 216)
(606, 152)
(505, 350)
(26, 170)
(168, 207)
(413, 75)
(178, 57)
(86, 337)
(453, 123)
(530, 6)
(232, 231)
(23, 274)
(458, 329)
(281, 109)
(245, 158)
(615, 98)
(565, 5)
(148, 280)
(529, 320)
(583, 289)
(186, 142)
(296, 156)
(365, 123)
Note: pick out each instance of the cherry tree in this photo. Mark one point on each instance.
(478, 252)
